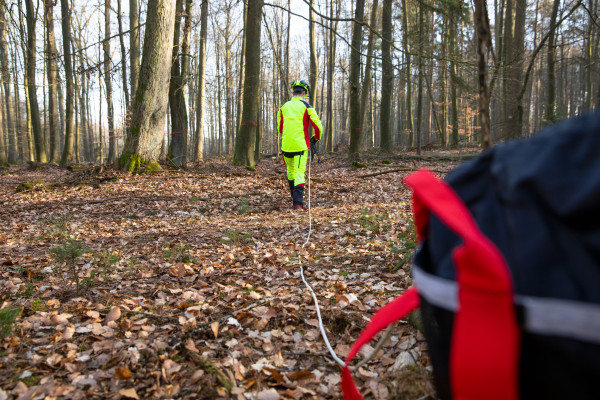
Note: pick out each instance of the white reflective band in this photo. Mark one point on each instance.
(543, 316)
(438, 291)
(565, 318)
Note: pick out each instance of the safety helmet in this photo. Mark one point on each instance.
(303, 84)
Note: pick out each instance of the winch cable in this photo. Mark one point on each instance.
(338, 360)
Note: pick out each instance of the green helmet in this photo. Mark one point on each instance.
(303, 84)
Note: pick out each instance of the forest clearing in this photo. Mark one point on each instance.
(189, 283)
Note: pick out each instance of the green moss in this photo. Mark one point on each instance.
(356, 164)
(130, 162)
(153, 167)
(134, 164)
(8, 317)
(27, 186)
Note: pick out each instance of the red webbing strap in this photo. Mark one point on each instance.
(390, 313)
(485, 340)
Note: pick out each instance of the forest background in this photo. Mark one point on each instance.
(183, 281)
(386, 75)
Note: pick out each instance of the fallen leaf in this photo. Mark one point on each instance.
(189, 344)
(269, 394)
(113, 315)
(123, 374)
(215, 328)
(301, 375)
(129, 393)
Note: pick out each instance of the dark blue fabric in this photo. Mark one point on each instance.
(538, 200)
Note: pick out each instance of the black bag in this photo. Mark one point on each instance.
(508, 269)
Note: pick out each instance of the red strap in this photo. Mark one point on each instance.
(390, 313)
(485, 342)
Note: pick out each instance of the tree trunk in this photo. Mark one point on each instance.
(201, 86)
(314, 61)
(34, 111)
(134, 45)
(507, 129)
(387, 78)
(123, 57)
(67, 153)
(453, 83)
(551, 99)
(329, 137)
(368, 78)
(354, 82)
(241, 74)
(149, 106)
(409, 101)
(518, 46)
(21, 142)
(246, 138)
(8, 101)
(53, 81)
(179, 117)
(110, 113)
(484, 41)
(420, 84)
(3, 138)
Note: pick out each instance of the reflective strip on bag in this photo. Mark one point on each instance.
(543, 316)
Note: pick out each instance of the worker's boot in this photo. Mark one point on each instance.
(297, 197)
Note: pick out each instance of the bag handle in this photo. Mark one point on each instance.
(484, 353)
(392, 312)
(485, 325)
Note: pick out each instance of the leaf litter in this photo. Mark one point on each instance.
(191, 285)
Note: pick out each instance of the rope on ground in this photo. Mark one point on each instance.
(338, 360)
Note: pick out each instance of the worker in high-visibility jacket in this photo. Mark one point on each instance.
(293, 121)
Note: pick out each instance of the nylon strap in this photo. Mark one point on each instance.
(390, 313)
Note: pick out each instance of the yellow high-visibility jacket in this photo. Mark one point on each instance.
(293, 119)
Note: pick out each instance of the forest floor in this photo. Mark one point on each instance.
(186, 284)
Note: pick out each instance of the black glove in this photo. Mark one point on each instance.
(313, 142)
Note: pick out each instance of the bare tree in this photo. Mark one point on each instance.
(366, 86)
(405, 45)
(8, 101)
(149, 107)
(484, 43)
(34, 111)
(551, 99)
(179, 116)
(354, 81)
(201, 85)
(387, 77)
(110, 112)
(123, 56)
(65, 11)
(134, 45)
(246, 138)
(53, 81)
(314, 61)
(330, 73)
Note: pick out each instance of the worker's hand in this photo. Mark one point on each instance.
(313, 141)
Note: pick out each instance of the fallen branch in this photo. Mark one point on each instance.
(210, 368)
(388, 172)
(400, 170)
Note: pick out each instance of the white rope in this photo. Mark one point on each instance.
(312, 292)
(387, 332)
